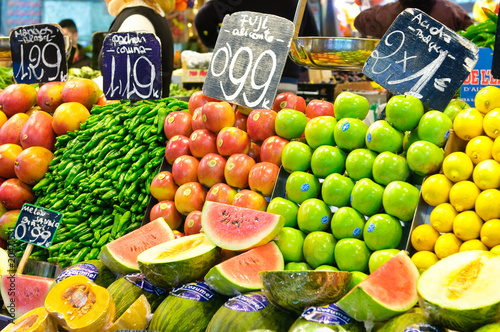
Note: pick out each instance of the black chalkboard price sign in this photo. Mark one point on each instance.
(420, 56)
(248, 59)
(36, 225)
(131, 66)
(38, 54)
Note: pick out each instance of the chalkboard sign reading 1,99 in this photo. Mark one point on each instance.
(248, 59)
(131, 66)
(38, 54)
(36, 225)
(422, 57)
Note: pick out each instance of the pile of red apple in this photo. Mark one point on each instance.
(30, 121)
(224, 153)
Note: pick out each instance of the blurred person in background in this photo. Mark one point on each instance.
(79, 57)
(374, 21)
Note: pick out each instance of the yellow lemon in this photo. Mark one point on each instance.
(467, 225)
(473, 245)
(457, 166)
(435, 189)
(488, 204)
(495, 250)
(423, 237)
(447, 244)
(463, 195)
(487, 99)
(491, 123)
(468, 124)
(479, 149)
(490, 233)
(442, 216)
(486, 174)
(424, 260)
(495, 149)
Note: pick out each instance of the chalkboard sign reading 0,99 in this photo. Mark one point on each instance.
(38, 54)
(36, 225)
(131, 66)
(420, 56)
(248, 59)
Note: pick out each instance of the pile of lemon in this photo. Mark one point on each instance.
(466, 195)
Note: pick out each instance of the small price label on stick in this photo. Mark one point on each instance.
(131, 66)
(38, 54)
(420, 56)
(36, 225)
(248, 59)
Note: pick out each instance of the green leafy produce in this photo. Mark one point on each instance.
(6, 77)
(84, 72)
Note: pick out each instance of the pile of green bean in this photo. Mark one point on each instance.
(483, 33)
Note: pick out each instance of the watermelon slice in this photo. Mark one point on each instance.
(240, 274)
(237, 228)
(22, 293)
(120, 255)
(389, 291)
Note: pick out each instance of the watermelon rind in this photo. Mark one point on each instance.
(361, 302)
(461, 291)
(229, 280)
(149, 235)
(179, 261)
(238, 228)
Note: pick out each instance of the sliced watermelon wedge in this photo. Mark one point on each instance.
(389, 291)
(120, 255)
(237, 228)
(240, 274)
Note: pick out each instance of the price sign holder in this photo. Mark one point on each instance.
(35, 226)
(248, 59)
(419, 56)
(132, 66)
(38, 54)
(495, 66)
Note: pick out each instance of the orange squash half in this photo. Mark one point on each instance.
(36, 320)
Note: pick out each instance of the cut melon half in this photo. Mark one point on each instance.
(179, 261)
(240, 274)
(237, 228)
(136, 317)
(387, 292)
(120, 255)
(36, 320)
(462, 291)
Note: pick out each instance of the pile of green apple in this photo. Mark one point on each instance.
(351, 186)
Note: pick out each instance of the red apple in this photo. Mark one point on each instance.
(254, 151)
(211, 169)
(185, 169)
(240, 120)
(237, 169)
(198, 99)
(177, 123)
(202, 142)
(177, 146)
(49, 96)
(14, 193)
(232, 140)
(163, 187)
(189, 197)
(222, 193)
(289, 100)
(250, 199)
(262, 178)
(192, 224)
(318, 107)
(260, 124)
(166, 210)
(272, 148)
(218, 115)
(197, 121)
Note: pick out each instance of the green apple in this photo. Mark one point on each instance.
(297, 266)
(454, 107)
(404, 112)
(290, 123)
(382, 231)
(290, 242)
(347, 223)
(424, 158)
(359, 163)
(400, 200)
(319, 249)
(434, 127)
(326, 268)
(319, 131)
(366, 197)
(352, 255)
(350, 105)
(381, 136)
(350, 134)
(356, 278)
(296, 156)
(285, 208)
(300, 186)
(336, 190)
(379, 257)
(313, 215)
(389, 167)
(326, 160)
(409, 138)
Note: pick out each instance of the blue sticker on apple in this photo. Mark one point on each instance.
(350, 200)
(369, 137)
(345, 126)
(305, 187)
(371, 228)
(447, 134)
(356, 231)
(324, 219)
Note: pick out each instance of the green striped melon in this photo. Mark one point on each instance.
(494, 327)
(237, 228)
(177, 262)
(461, 291)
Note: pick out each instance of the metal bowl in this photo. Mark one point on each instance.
(338, 53)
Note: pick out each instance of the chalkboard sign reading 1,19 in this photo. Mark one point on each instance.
(38, 54)
(36, 225)
(248, 59)
(421, 57)
(131, 66)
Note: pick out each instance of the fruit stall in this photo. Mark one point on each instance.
(196, 213)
